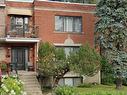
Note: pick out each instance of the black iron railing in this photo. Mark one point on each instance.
(30, 31)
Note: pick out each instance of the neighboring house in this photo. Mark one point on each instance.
(21, 38)
(2, 28)
(65, 25)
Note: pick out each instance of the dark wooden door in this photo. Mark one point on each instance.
(19, 57)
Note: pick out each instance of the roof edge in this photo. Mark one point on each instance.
(67, 3)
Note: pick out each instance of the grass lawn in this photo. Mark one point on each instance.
(102, 88)
(95, 90)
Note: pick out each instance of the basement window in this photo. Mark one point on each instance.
(70, 81)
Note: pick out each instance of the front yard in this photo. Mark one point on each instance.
(102, 89)
(91, 90)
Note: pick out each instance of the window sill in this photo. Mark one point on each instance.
(77, 33)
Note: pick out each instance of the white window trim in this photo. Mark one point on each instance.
(73, 45)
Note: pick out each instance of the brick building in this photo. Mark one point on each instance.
(2, 28)
(63, 24)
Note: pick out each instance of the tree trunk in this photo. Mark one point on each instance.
(59, 76)
(55, 82)
(119, 81)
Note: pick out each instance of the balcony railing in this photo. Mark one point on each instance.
(31, 32)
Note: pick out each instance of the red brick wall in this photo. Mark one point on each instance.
(65, 5)
(19, 4)
(45, 20)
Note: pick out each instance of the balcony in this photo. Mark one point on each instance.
(22, 32)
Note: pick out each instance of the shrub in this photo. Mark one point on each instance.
(11, 86)
(65, 90)
(4, 66)
(125, 81)
(107, 73)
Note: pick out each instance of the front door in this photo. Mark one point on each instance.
(20, 57)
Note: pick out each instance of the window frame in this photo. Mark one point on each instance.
(15, 24)
(65, 21)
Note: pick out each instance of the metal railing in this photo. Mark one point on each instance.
(32, 32)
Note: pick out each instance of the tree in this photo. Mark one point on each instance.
(107, 71)
(111, 31)
(86, 61)
(53, 62)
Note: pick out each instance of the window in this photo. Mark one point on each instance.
(69, 49)
(19, 23)
(68, 24)
(71, 81)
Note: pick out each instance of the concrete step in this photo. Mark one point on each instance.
(34, 93)
(28, 80)
(31, 84)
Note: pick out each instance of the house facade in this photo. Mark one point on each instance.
(65, 25)
(2, 28)
(20, 39)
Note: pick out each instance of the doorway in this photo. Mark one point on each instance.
(20, 58)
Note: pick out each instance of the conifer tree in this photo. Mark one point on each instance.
(111, 34)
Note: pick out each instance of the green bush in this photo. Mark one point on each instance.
(107, 73)
(4, 66)
(65, 90)
(11, 86)
(125, 81)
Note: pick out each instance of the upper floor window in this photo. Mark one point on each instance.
(68, 24)
(19, 23)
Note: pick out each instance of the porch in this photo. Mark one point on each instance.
(20, 53)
